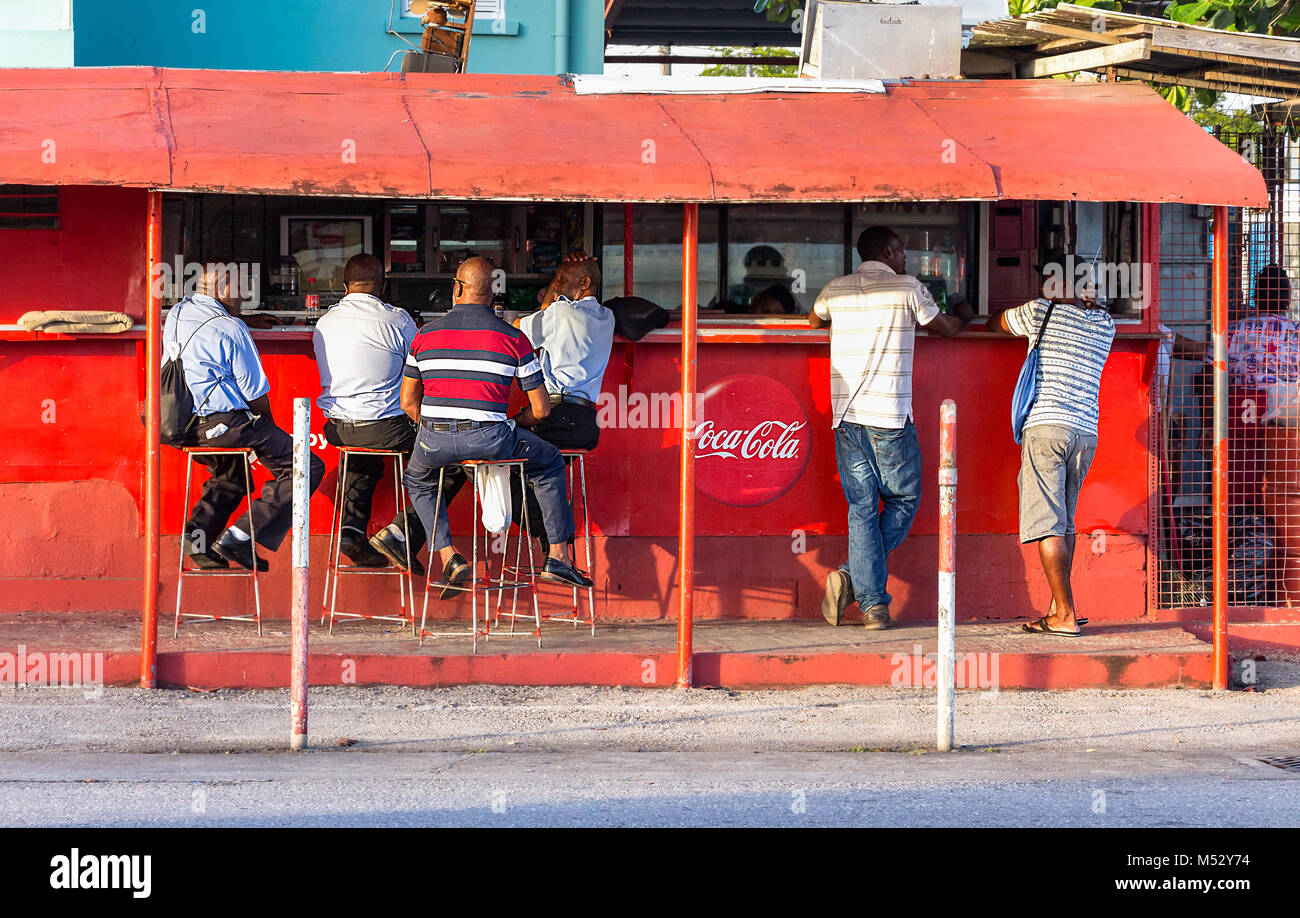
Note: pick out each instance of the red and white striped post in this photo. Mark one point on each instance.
(947, 654)
(301, 526)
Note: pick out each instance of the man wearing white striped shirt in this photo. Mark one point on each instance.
(1060, 433)
(872, 315)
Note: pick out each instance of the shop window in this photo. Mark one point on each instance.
(780, 257)
(939, 240)
(29, 207)
(657, 248)
(1107, 237)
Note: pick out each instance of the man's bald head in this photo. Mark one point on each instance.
(363, 273)
(217, 281)
(473, 281)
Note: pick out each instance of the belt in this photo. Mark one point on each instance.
(568, 399)
(339, 422)
(453, 426)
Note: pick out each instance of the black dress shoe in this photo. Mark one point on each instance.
(359, 552)
(206, 560)
(557, 571)
(455, 572)
(394, 549)
(237, 552)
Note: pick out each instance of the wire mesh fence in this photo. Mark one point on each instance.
(1263, 345)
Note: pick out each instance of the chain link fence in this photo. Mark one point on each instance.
(1263, 392)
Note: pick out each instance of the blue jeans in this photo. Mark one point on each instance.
(544, 470)
(880, 472)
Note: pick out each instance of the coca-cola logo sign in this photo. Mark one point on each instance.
(751, 440)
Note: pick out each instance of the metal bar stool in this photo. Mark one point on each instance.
(487, 583)
(576, 457)
(181, 573)
(333, 569)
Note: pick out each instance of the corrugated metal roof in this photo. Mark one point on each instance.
(531, 138)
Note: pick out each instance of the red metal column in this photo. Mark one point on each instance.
(1220, 562)
(686, 525)
(152, 447)
(627, 249)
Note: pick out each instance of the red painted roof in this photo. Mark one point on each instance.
(531, 137)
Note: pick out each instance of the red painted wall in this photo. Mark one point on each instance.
(94, 260)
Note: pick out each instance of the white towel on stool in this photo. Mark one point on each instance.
(493, 483)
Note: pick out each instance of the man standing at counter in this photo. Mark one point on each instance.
(1060, 433)
(232, 407)
(872, 315)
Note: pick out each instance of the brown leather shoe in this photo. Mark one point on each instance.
(877, 618)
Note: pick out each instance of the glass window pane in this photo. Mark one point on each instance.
(780, 256)
(657, 249)
(936, 238)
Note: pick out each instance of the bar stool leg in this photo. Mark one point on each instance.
(532, 570)
(336, 523)
(180, 569)
(473, 529)
(406, 580)
(252, 536)
(586, 541)
(433, 559)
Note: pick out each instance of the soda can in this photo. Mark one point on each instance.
(313, 302)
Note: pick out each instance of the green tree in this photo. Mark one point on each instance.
(755, 70)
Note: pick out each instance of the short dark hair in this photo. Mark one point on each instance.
(588, 268)
(782, 295)
(873, 240)
(363, 269)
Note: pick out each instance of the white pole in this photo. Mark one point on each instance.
(947, 572)
(301, 525)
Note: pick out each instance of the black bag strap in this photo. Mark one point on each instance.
(207, 397)
(1051, 304)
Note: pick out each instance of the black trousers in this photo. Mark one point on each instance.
(365, 472)
(568, 426)
(270, 515)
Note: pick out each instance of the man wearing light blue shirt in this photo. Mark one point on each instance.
(361, 346)
(573, 334)
(232, 406)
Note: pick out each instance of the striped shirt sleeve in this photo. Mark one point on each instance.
(529, 369)
(1023, 320)
(923, 305)
(412, 369)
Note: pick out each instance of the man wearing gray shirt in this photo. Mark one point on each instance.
(361, 346)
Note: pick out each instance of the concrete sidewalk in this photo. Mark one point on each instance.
(734, 654)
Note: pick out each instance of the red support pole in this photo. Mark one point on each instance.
(1220, 562)
(627, 249)
(686, 525)
(152, 444)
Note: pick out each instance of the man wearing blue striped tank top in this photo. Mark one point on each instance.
(1060, 434)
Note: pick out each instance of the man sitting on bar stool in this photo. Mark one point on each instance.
(224, 374)
(361, 345)
(457, 387)
(574, 335)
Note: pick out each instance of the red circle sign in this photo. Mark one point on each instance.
(751, 440)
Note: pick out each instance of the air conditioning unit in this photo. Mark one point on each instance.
(853, 40)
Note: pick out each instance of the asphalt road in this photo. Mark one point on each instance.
(513, 756)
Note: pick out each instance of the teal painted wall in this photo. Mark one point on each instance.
(321, 35)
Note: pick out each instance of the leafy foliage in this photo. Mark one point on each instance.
(756, 70)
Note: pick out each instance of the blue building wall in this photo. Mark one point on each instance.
(322, 35)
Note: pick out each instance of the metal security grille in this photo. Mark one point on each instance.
(29, 207)
(1263, 392)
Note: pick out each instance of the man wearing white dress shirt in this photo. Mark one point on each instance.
(361, 345)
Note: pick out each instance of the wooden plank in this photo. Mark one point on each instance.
(1092, 59)
(1250, 48)
(1088, 35)
(1193, 82)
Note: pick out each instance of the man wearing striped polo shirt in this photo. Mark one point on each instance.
(456, 386)
(872, 315)
(1060, 434)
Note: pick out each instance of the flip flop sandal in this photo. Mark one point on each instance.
(1044, 628)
